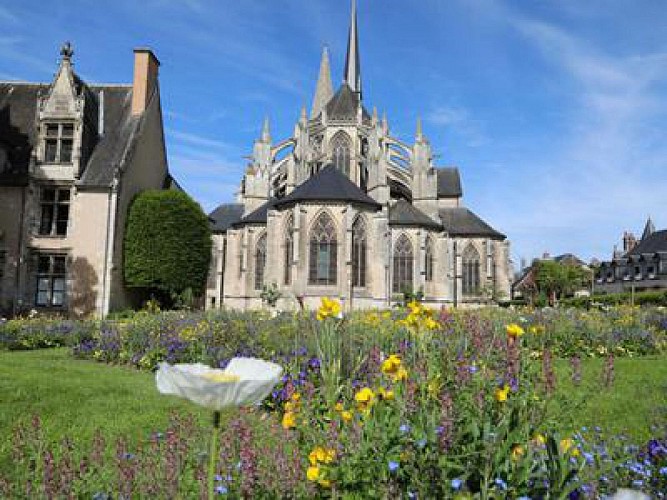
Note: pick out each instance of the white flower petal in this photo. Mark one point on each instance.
(256, 378)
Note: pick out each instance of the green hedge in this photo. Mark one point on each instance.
(654, 298)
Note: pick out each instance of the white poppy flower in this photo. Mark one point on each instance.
(245, 381)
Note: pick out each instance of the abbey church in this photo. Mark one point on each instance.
(344, 209)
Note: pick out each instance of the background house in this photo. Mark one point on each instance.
(72, 157)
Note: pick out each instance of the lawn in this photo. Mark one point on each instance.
(74, 398)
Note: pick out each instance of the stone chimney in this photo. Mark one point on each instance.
(145, 79)
(629, 241)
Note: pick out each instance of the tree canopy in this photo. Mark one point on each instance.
(555, 279)
(167, 243)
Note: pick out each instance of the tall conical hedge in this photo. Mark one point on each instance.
(167, 243)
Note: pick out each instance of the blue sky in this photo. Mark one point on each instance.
(555, 111)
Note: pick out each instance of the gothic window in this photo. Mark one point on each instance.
(260, 262)
(359, 253)
(51, 272)
(471, 280)
(58, 142)
(54, 211)
(340, 146)
(429, 258)
(403, 265)
(289, 250)
(323, 252)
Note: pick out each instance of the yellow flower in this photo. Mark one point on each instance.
(517, 452)
(313, 473)
(415, 307)
(514, 330)
(346, 415)
(289, 420)
(430, 323)
(364, 396)
(539, 440)
(385, 394)
(321, 455)
(324, 483)
(567, 445)
(391, 364)
(330, 308)
(501, 393)
(296, 397)
(339, 406)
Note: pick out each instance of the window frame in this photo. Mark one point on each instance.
(403, 261)
(471, 278)
(54, 224)
(323, 252)
(55, 142)
(359, 253)
(51, 279)
(429, 259)
(288, 254)
(260, 261)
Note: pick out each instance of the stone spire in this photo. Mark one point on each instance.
(649, 229)
(419, 135)
(66, 51)
(324, 89)
(352, 63)
(266, 134)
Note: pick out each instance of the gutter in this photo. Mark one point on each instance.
(108, 247)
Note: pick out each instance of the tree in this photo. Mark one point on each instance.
(555, 279)
(167, 245)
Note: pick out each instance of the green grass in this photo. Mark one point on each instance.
(76, 397)
(636, 401)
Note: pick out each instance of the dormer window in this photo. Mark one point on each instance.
(58, 142)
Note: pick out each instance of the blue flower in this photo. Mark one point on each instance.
(637, 483)
(393, 466)
(523, 498)
(221, 490)
(421, 443)
(218, 478)
(500, 483)
(663, 471)
(412, 494)
(404, 428)
(457, 483)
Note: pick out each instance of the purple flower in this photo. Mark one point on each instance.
(404, 428)
(221, 490)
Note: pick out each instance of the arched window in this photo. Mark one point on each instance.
(403, 265)
(359, 252)
(340, 146)
(289, 250)
(429, 257)
(260, 262)
(471, 283)
(323, 252)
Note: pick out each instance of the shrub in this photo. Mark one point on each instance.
(167, 244)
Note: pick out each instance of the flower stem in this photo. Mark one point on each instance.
(213, 455)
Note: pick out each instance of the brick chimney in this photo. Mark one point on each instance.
(145, 79)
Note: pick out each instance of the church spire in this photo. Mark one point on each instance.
(419, 135)
(324, 89)
(266, 134)
(352, 64)
(649, 229)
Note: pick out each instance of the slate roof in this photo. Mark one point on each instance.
(329, 184)
(259, 216)
(656, 242)
(18, 133)
(449, 183)
(459, 221)
(403, 213)
(223, 217)
(343, 105)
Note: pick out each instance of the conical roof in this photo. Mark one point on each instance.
(329, 184)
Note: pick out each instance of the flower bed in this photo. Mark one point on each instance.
(408, 403)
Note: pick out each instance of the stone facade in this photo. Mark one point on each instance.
(72, 157)
(345, 209)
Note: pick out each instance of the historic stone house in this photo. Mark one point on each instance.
(345, 209)
(72, 157)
